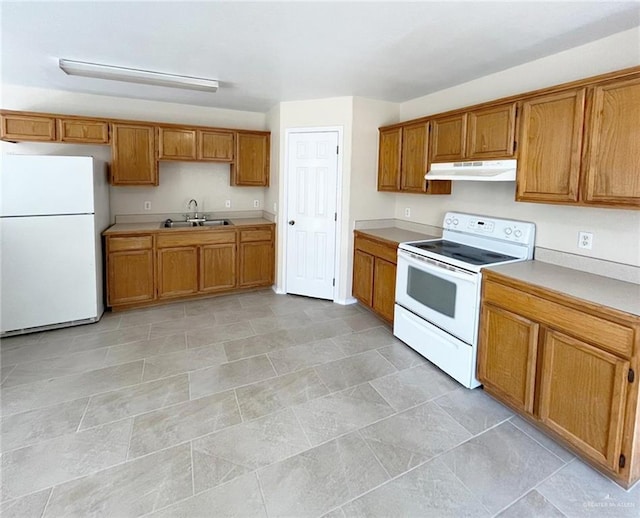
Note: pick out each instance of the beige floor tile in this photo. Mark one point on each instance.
(354, 370)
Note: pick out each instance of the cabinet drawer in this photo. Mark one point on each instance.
(605, 334)
(194, 237)
(118, 244)
(255, 235)
(379, 250)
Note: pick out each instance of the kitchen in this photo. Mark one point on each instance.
(557, 226)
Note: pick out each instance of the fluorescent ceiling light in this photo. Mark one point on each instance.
(132, 75)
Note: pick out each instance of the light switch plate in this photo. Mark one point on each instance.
(147, 205)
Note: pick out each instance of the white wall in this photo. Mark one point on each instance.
(208, 183)
(616, 232)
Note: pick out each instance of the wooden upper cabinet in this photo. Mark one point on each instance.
(448, 138)
(133, 155)
(507, 355)
(415, 157)
(389, 159)
(491, 132)
(582, 396)
(251, 167)
(612, 159)
(215, 145)
(550, 146)
(176, 144)
(83, 131)
(16, 127)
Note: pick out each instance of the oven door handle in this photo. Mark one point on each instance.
(433, 266)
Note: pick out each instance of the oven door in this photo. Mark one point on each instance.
(446, 296)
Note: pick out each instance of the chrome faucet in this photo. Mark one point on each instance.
(195, 213)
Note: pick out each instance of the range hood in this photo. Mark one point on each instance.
(484, 171)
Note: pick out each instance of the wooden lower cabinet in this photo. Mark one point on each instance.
(374, 274)
(555, 360)
(508, 362)
(163, 266)
(177, 271)
(217, 267)
(130, 270)
(582, 395)
(256, 261)
(363, 277)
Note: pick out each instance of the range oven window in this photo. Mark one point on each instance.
(432, 291)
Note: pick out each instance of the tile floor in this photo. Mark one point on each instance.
(267, 405)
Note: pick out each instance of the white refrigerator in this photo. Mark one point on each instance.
(52, 212)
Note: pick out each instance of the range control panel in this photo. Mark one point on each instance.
(496, 228)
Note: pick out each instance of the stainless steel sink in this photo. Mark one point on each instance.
(214, 223)
(169, 223)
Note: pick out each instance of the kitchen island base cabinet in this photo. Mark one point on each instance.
(374, 274)
(568, 366)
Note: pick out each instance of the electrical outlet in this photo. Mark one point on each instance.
(227, 204)
(256, 204)
(147, 205)
(585, 240)
(407, 212)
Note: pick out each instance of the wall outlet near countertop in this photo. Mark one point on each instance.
(256, 204)
(227, 204)
(147, 205)
(585, 240)
(407, 212)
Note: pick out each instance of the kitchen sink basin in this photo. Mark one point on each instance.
(169, 223)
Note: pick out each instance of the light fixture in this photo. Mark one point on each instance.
(133, 75)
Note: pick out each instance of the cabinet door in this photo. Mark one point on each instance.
(448, 138)
(491, 132)
(176, 144)
(582, 395)
(414, 162)
(384, 288)
(215, 145)
(256, 263)
(177, 271)
(217, 267)
(27, 127)
(550, 145)
(133, 160)
(363, 277)
(252, 160)
(612, 172)
(389, 156)
(83, 131)
(507, 355)
(130, 277)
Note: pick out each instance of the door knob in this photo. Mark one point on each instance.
(292, 222)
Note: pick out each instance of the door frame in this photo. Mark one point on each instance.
(285, 199)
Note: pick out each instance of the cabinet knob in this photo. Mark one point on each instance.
(292, 222)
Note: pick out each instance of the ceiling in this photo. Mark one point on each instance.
(267, 52)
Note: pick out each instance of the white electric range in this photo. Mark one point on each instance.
(438, 287)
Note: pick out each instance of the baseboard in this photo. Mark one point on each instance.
(345, 302)
(278, 291)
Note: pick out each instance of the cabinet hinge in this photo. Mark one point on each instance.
(515, 146)
(335, 216)
(334, 282)
(337, 150)
(631, 376)
(622, 461)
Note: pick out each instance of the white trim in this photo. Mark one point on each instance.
(346, 302)
(284, 205)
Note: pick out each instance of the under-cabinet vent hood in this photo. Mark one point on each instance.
(484, 171)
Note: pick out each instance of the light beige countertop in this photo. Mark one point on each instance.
(605, 291)
(395, 234)
(158, 226)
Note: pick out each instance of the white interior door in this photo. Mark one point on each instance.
(312, 165)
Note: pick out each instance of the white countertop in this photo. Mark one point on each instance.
(605, 291)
